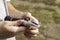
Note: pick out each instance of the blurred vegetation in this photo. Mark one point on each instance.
(46, 11)
(49, 2)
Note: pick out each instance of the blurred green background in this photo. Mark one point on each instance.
(47, 12)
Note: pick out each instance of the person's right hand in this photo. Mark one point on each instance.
(10, 28)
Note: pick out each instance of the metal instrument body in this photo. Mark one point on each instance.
(31, 23)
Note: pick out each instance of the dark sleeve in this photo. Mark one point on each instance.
(8, 18)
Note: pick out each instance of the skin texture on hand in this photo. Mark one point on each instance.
(10, 28)
(31, 32)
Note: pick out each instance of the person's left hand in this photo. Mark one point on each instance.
(28, 16)
(31, 31)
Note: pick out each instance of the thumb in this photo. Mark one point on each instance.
(13, 23)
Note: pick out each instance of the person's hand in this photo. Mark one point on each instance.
(31, 31)
(10, 28)
(28, 16)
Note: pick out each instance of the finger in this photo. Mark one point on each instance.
(18, 22)
(21, 29)
(14, 29)
(13, 23)
(36, 31)
(26, 15)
